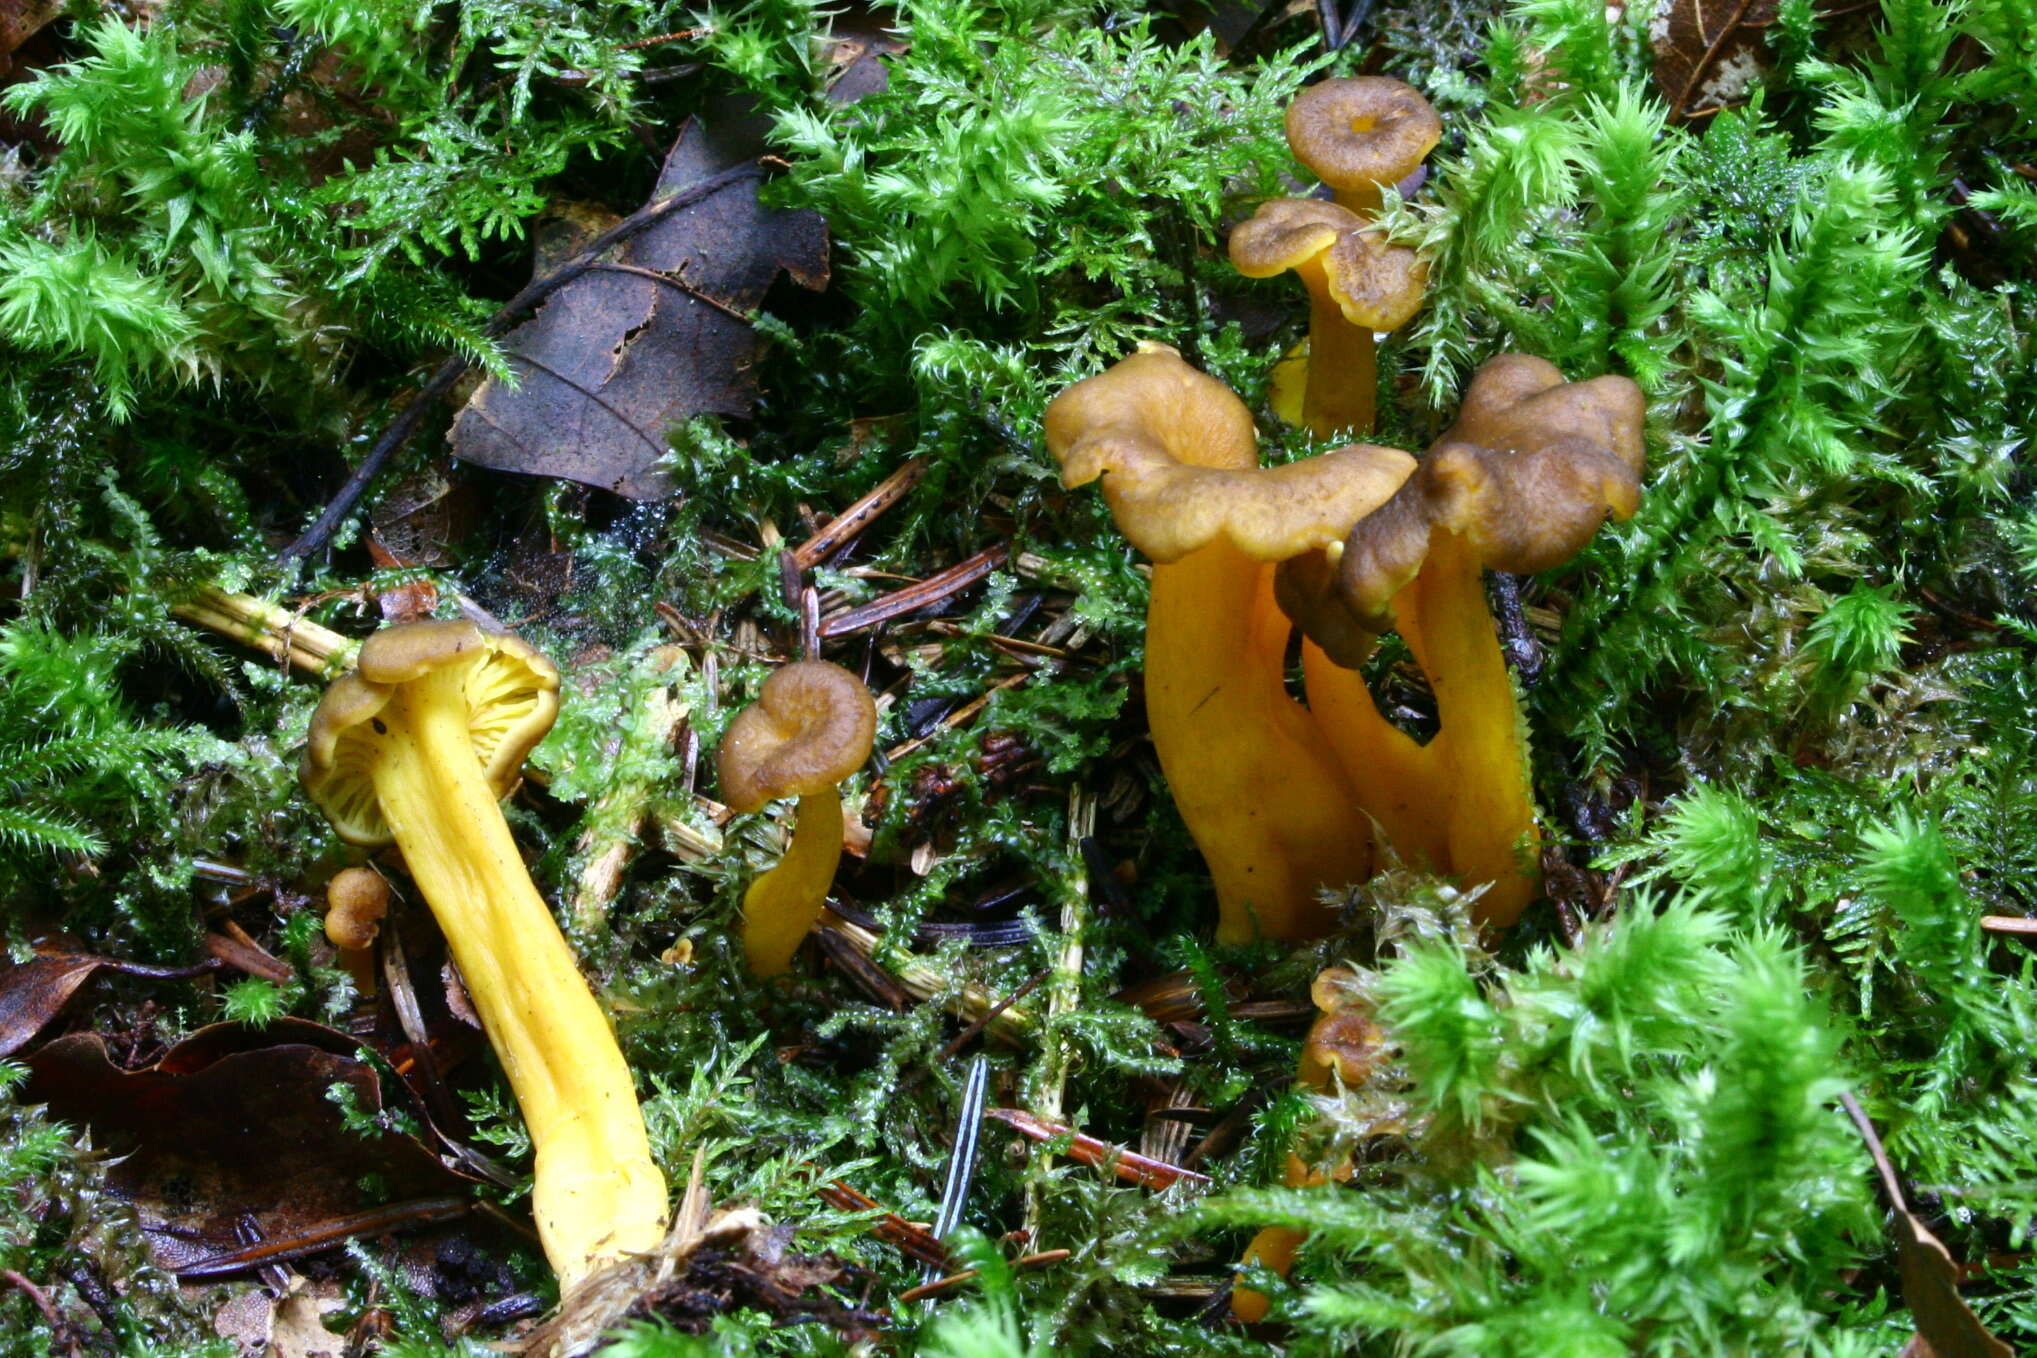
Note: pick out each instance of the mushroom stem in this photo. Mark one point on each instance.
(1269, 808)
(597, 1194)
(782, 906)
(1492, 832)
(1401, 784)
(1343, 364)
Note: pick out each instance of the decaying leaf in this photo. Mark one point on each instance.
(236, 1133)
(1709, 53)
(33, 993)
(21, 20)
(650, 338)
(1946, 1325)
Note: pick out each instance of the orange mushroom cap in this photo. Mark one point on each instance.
(1532, 468)
(1376, 284)
(510, 699)
(1178, 456)
(356, 899)
(812, 726)
(1359, 133)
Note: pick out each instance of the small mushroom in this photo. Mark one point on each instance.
(1345, 1048)
(811, 726)
(1362, 134)
(417, 745)
(1275, 816)
(1530, 470)
(356, 899)
(1358, 283)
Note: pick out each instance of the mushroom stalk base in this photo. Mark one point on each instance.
(1274, 816)
(781, 907)
(597, 1195)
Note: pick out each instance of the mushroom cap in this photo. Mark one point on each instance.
(1532, 468)
(1376, 284)
(356, 899)
(510, 691)
(1362, 130)
(811, 726)
(1179, 461)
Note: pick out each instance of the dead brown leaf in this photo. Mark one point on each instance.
(654, 336)
(33, 993)
(21, 20)
(1708, 53)
(236, 1129)
(1946, 1325)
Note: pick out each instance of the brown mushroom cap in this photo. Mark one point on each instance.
(510, 693)
(1532, 468)
(1376, 284)
(356, 899)
(1362, 131)
(811, 727)
(1178, 456)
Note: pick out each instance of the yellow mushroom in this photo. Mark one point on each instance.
(417, 745)
(1273, 813)
(811, 727)
(1524, 478)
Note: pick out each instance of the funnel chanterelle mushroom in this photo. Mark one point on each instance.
(1362, 135)
(1358, 282)
(417, 745)
(811, 727)
(1275, 817)
(1524, 478)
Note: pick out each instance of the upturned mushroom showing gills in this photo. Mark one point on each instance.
(417, 745)
(1524, 478)
(1361, 135)
(811, 727)
(1275, 816)
(1358, 283)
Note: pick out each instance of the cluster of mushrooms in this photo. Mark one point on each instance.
(417, 745)
(1287, 799)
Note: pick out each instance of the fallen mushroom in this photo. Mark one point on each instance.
(1275, 816)
(1358, 283)
(1531, 469)
(811, 726)
(416, 745)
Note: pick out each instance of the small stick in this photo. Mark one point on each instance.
(925, 594)
(958, 716)
(942, 1286)
(420, 1212)
(891, 1227)
(398, 431)
(2008, 924)
(39, 1297)
(837, 531)
(1127, 1165)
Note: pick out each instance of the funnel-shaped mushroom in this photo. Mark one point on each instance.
(1275, 817)
(417, 745)
(1361, 135)
(1358, 284)
(1532, 468)
(1345, 1046)
(811, 727)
